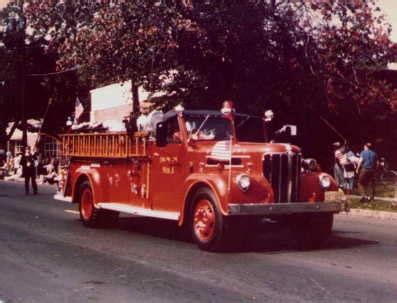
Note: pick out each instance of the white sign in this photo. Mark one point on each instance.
(111, 96)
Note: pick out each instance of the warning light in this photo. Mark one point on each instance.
(227, 107)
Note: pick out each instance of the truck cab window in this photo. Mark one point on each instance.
(251, 129)
(204, 128)
(173, 133)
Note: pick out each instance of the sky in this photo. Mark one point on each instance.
(389, 8)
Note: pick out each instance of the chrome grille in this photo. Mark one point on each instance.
(282, 170)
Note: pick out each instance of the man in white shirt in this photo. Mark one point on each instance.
(148, 118)
(143, 121)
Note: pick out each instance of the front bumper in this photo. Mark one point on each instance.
(287, 208)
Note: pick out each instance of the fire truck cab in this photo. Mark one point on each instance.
(208, 171)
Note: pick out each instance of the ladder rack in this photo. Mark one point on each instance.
(104, 145)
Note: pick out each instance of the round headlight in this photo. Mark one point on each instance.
(243, 182)
(325, 181)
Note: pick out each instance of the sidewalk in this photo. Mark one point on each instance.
(383, 215)
(376, 198)
(369, 213)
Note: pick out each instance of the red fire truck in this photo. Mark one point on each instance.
(208, 171)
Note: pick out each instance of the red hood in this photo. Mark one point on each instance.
(244, 148)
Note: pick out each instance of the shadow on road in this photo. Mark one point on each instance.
(269, 238)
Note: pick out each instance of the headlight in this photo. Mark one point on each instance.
(243, 181)
(325, 181)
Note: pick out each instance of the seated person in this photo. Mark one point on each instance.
(51, 176)
(204, 134)
(143, 121)
(148, 118)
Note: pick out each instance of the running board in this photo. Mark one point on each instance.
(140, 211)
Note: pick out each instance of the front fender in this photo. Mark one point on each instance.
(214, 182)
(311, 190)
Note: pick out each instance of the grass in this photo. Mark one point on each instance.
(384, 189)
(373, 205)
(387, 189)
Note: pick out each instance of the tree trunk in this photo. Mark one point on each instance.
(135, 97)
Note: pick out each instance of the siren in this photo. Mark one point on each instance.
(268, 115)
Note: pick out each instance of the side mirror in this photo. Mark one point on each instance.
(161, 134)
(289, 130)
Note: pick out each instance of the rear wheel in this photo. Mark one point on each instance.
(89, 214)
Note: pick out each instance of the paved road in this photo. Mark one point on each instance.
(46, 255)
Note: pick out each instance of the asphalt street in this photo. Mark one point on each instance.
(46, 256)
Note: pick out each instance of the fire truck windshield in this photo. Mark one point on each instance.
(208, 127)
(250, 129)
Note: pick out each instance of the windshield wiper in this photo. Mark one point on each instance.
(200, 127)
(242, 122)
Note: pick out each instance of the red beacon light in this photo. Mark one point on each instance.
(227, 107)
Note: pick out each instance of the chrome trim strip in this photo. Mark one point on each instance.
(280, 177)
(140, 211)
(234, 156)
(297, 176)
(271, 170)
(285, 208)
(289, 188)
(225, 165)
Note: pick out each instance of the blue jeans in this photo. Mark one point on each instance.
(338, 174)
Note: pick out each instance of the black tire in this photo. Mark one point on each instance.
(313, 230)
(220, 235)
(89, 214)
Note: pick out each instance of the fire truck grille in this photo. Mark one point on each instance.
(282, 171)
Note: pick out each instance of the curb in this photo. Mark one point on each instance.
(384, 215)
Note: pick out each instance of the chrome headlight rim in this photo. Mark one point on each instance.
(243, 182)
(325, 181)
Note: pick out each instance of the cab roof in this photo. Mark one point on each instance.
(200, 113)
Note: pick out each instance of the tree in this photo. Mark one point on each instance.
(25, 88)
(293, 56)
(225, 48)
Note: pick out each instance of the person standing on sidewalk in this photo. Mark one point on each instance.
(339, 151)
(366, 169)
(28, 162)
(349, 162)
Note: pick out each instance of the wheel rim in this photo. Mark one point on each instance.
(87, 206)
(204, 220)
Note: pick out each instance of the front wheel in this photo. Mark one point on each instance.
(210, 229)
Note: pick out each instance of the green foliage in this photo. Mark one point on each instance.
(273, 53)
(24, 56)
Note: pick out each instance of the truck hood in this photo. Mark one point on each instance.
(244, 148)
(249, 147)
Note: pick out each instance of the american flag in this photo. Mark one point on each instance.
(221, 151)
(78, 109)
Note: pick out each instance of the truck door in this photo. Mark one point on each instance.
(168, 170)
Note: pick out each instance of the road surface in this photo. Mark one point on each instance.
(48, 256)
